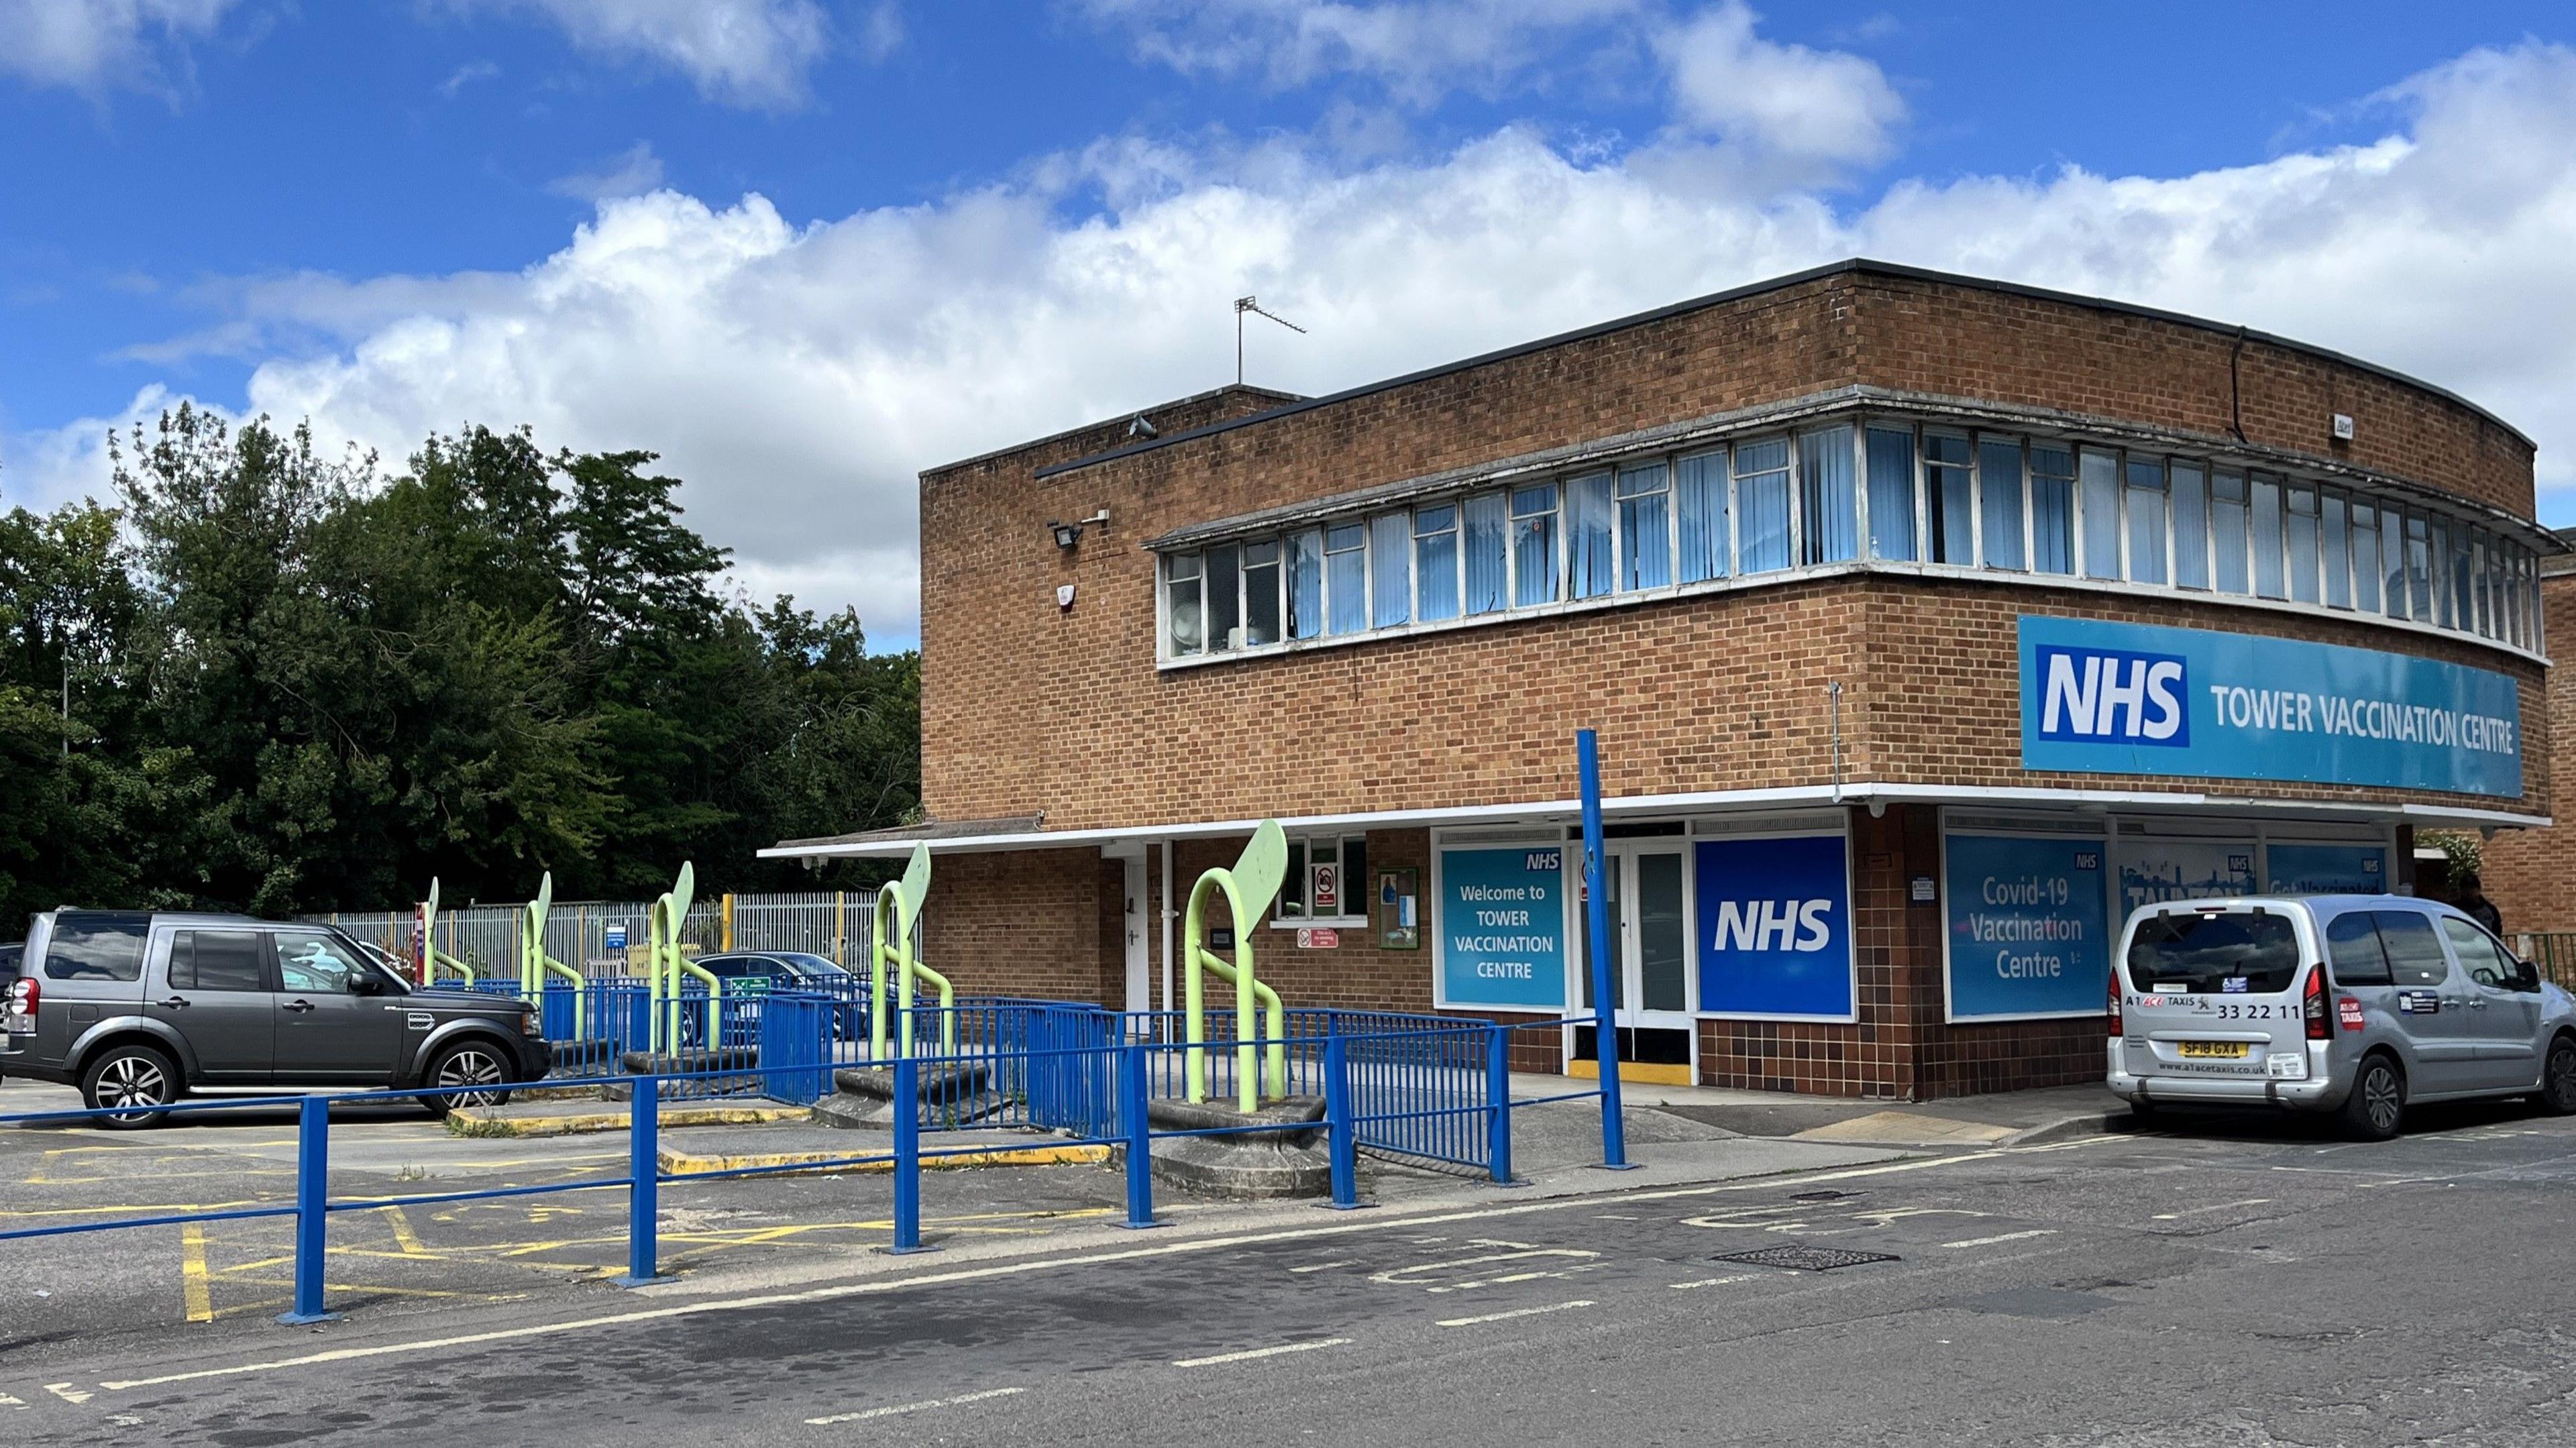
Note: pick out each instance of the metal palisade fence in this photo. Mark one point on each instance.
(606, 937)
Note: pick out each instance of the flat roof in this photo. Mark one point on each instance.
(1036, 442)
(1862, 266)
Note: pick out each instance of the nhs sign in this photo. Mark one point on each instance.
(2114, 696)
(1775, 936)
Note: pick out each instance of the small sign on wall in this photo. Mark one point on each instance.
(1327, 884)
(1399, 910)
(1318, 938)
(1221, 938)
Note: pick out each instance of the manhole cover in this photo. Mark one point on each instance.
(1799, 1258)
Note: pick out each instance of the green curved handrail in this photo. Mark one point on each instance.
(894, 941)
(1249, 889)
(535, 965)
(431, 957)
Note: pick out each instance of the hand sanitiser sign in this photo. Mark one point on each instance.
(2111, 698)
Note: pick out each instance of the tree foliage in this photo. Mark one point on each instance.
(271, 680)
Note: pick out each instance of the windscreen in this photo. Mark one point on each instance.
(2229, 953)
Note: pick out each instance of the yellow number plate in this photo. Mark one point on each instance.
(2223, 1050)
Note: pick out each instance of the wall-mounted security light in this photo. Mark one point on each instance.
(1066, 534)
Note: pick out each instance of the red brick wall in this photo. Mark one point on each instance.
(2531, 874)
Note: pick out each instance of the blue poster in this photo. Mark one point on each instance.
(2116, 698)
(1775, 933)
(2155, 871)
(1502, 927)
(2029, 926)
(2328, 869)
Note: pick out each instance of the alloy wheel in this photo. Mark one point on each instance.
(133, 1081)
(471, 1066)
(2561, 1084)
(2380, 1097)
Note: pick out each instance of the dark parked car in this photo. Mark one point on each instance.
(138, 1009)
(798, 971)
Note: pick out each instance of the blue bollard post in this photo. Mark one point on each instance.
(312, 1210)
(1498, 1100)
(1605, 1023)
(1140, 1138)
(644, 1189)
(907, 1156)
(1341, 1135)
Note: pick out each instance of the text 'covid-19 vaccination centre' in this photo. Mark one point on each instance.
(1929, 624)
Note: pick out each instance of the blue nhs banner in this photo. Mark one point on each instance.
(2115, 698)
(1775, 927)
(1502, 927)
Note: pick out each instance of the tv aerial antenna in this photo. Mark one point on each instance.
(1248, 304)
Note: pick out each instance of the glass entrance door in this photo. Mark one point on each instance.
(1650, 954)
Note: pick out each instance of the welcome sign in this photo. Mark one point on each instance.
(2113, 698)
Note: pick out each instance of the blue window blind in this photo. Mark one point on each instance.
(1701, 481)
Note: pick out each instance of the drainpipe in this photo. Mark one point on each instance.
(1166, 913)
(1834, 692)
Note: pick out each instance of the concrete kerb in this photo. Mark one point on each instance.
(515, 1121)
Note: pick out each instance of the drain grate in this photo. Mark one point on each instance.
(1798, 1257)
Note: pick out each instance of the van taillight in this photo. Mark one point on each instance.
(2313, 1006)
(2113, 1010)
(22, 996)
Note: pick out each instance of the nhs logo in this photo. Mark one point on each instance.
(1800, 925)
(1775, 926)
(2112, 696)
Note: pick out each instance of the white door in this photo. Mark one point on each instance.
(1649, 951)
(1140, 982)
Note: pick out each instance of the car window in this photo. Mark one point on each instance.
(216, 960)
(2352, 944)
(97, 946)
(2414, 951)
(2229, 952)
(2479, 954)
(316, 963)
(728, 967)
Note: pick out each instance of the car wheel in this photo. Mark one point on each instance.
(130, 1076)
(2376, 1109)
(2558, 1078)
(469, 1064)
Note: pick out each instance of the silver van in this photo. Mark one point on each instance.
(2354, 1004)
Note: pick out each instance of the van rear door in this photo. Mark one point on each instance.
(2215, 991)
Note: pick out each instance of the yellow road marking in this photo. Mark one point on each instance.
(192, 1273)
(142, 1207)
(411, 1243)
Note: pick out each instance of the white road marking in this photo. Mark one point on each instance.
(1716, 1281)
(2216, 1207)
(840, 1291)
(68, 1393)
(7, 1401)
(898, 1409)
(1412, 1276)
(1250, 1353)
(2006, 1237)
(1326, 1266)
(1519, 1312)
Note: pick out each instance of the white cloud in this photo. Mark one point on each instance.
(740, 52)
(470, 73)
(798, 376)
(94, 46)
(630, 172)
(1788, 100)
(1418, 49)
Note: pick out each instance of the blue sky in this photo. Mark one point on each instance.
(805, 249)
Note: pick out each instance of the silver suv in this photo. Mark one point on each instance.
(138, 1009)
(2355, 1004)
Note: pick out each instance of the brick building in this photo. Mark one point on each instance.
(2531, 874)
(1927, 622)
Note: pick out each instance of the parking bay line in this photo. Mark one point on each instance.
(841, 1291)
(2005, 1237)
(1248, 1354)
(898, 1409)
(193, 1289)
(1516, 1312)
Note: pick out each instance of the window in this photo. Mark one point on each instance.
(2267, 538)
(2223, 953)
(1183, 622)
(2052, 509)
(2392, 563)
(1645, 527)
(1702, 485)
(2352, 946)
(1762, 497)
(1488, 569)
(2190, 527)
(1949, 501)
(1590, 571)
(2302, 537)
(1828, 506)
(2462, 614)
(2479, 954)
(1327, 879)
(1534, 545)
(2227, 532)
(1390, 554)
(1346, 578)
(1891, 493)
(1224, 598)
(1435, 562)
(1306, 584)
(2365, 557)
(2419, 567)
(2146, 500)
(2482, 583)
(2414, 952)
(216, 960)
(2101, 517)
(310, 961)
(1261, 592)
(2336, 549)
(1999, 501)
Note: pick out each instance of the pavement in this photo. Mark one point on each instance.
(2009, 1118)
(2225, 1281)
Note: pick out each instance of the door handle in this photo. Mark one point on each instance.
(174, 1003)
(2477, 1003)
(299, 1005)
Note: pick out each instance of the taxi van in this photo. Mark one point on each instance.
(2359, 1005)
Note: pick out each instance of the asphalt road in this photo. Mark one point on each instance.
(2238, 1285)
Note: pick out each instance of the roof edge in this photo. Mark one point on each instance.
(1037, 442)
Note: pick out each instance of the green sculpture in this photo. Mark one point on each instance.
(895, 941)
(665, 964)
(431, 957)
(534, 964)
(1249, 889)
